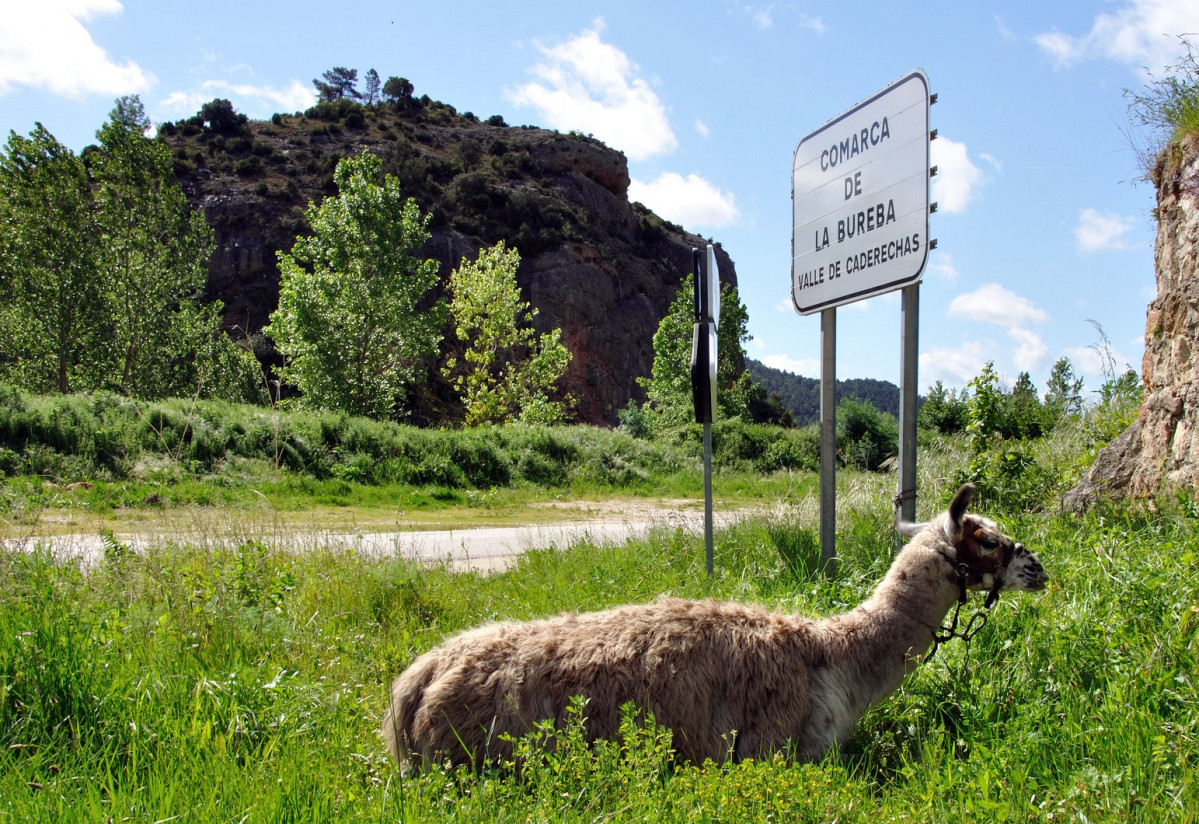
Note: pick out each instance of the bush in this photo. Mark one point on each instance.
(944, 410)
(865, 437)
(249, 166)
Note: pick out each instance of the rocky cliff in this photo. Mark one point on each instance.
(1160, 449)
(602, 269)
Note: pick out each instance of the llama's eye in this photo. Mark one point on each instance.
(989, 543)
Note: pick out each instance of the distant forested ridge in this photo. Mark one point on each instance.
(802, 395)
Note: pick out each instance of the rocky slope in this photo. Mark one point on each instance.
(602, 269)
(1160, 449)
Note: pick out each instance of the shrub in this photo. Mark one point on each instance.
(944, 410)
(248, 166)
(865, 437)
(632, 420)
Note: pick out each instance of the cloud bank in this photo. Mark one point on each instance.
(584, 84)
(45, 45)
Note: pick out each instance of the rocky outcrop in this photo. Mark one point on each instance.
(1161, 449)
(602, 269)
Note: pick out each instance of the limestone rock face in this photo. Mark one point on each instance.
(1161, 449)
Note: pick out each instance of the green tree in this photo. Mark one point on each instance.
(354, 324)
(100, 273)
(668, 389)
(153, 252)
(372, 87)
(398, 92)
(50, 308)
(218, 117)
(506, 372)
(865, 436)
(337, 83)
(1024, 416)
(943, 410)
(986, 408)
(1063, 392)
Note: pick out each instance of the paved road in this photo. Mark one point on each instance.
(484, 549)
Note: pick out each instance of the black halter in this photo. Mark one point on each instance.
(978, 620)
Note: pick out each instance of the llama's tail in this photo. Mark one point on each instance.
(407, 693)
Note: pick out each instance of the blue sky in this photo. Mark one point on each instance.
(1041, 228)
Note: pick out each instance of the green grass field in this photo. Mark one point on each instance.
(247, 684)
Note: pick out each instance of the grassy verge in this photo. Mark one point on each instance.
(247, 684)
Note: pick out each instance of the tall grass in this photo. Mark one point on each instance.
(247, 684)
(111, 451)
(198, 680)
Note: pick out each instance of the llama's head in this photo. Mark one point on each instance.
(992, 560)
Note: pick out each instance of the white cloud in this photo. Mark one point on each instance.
(44, 44)
(590, 86)
(702, 128)
(1139, 33)
(1031, 352)
(957, 177)
(956, 367)
(942, 267)
(1102, 231)
(785, 306)
(255, 101)
(689, 201)
(796, 366)
(991, 303)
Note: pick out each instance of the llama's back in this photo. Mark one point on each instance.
(726, 678)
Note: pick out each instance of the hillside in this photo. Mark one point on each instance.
(801, 395)
(602, 269)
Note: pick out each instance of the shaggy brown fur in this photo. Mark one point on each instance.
(730, 680)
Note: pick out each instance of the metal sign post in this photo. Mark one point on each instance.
(703, 371)
(909, 358)
(860, 207)
(828, 441)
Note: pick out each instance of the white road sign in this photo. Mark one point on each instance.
(859, 193)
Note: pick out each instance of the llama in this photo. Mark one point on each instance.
(730, 680)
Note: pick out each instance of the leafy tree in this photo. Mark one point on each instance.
(1024, 415)
(398, 92)
(219, 117)
(337, 83)
(354, 324)
(153, 253)
(129, 113)
(372, 87)
(1063, 392)
(944, 410)
(51, 308)
(668, 389)
(986, 408)
(506, 371)
(101, 277)
(865, 436)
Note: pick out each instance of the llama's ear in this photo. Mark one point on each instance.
(957, 511)
(908, 529)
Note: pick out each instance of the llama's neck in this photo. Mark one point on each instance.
(883, 639)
